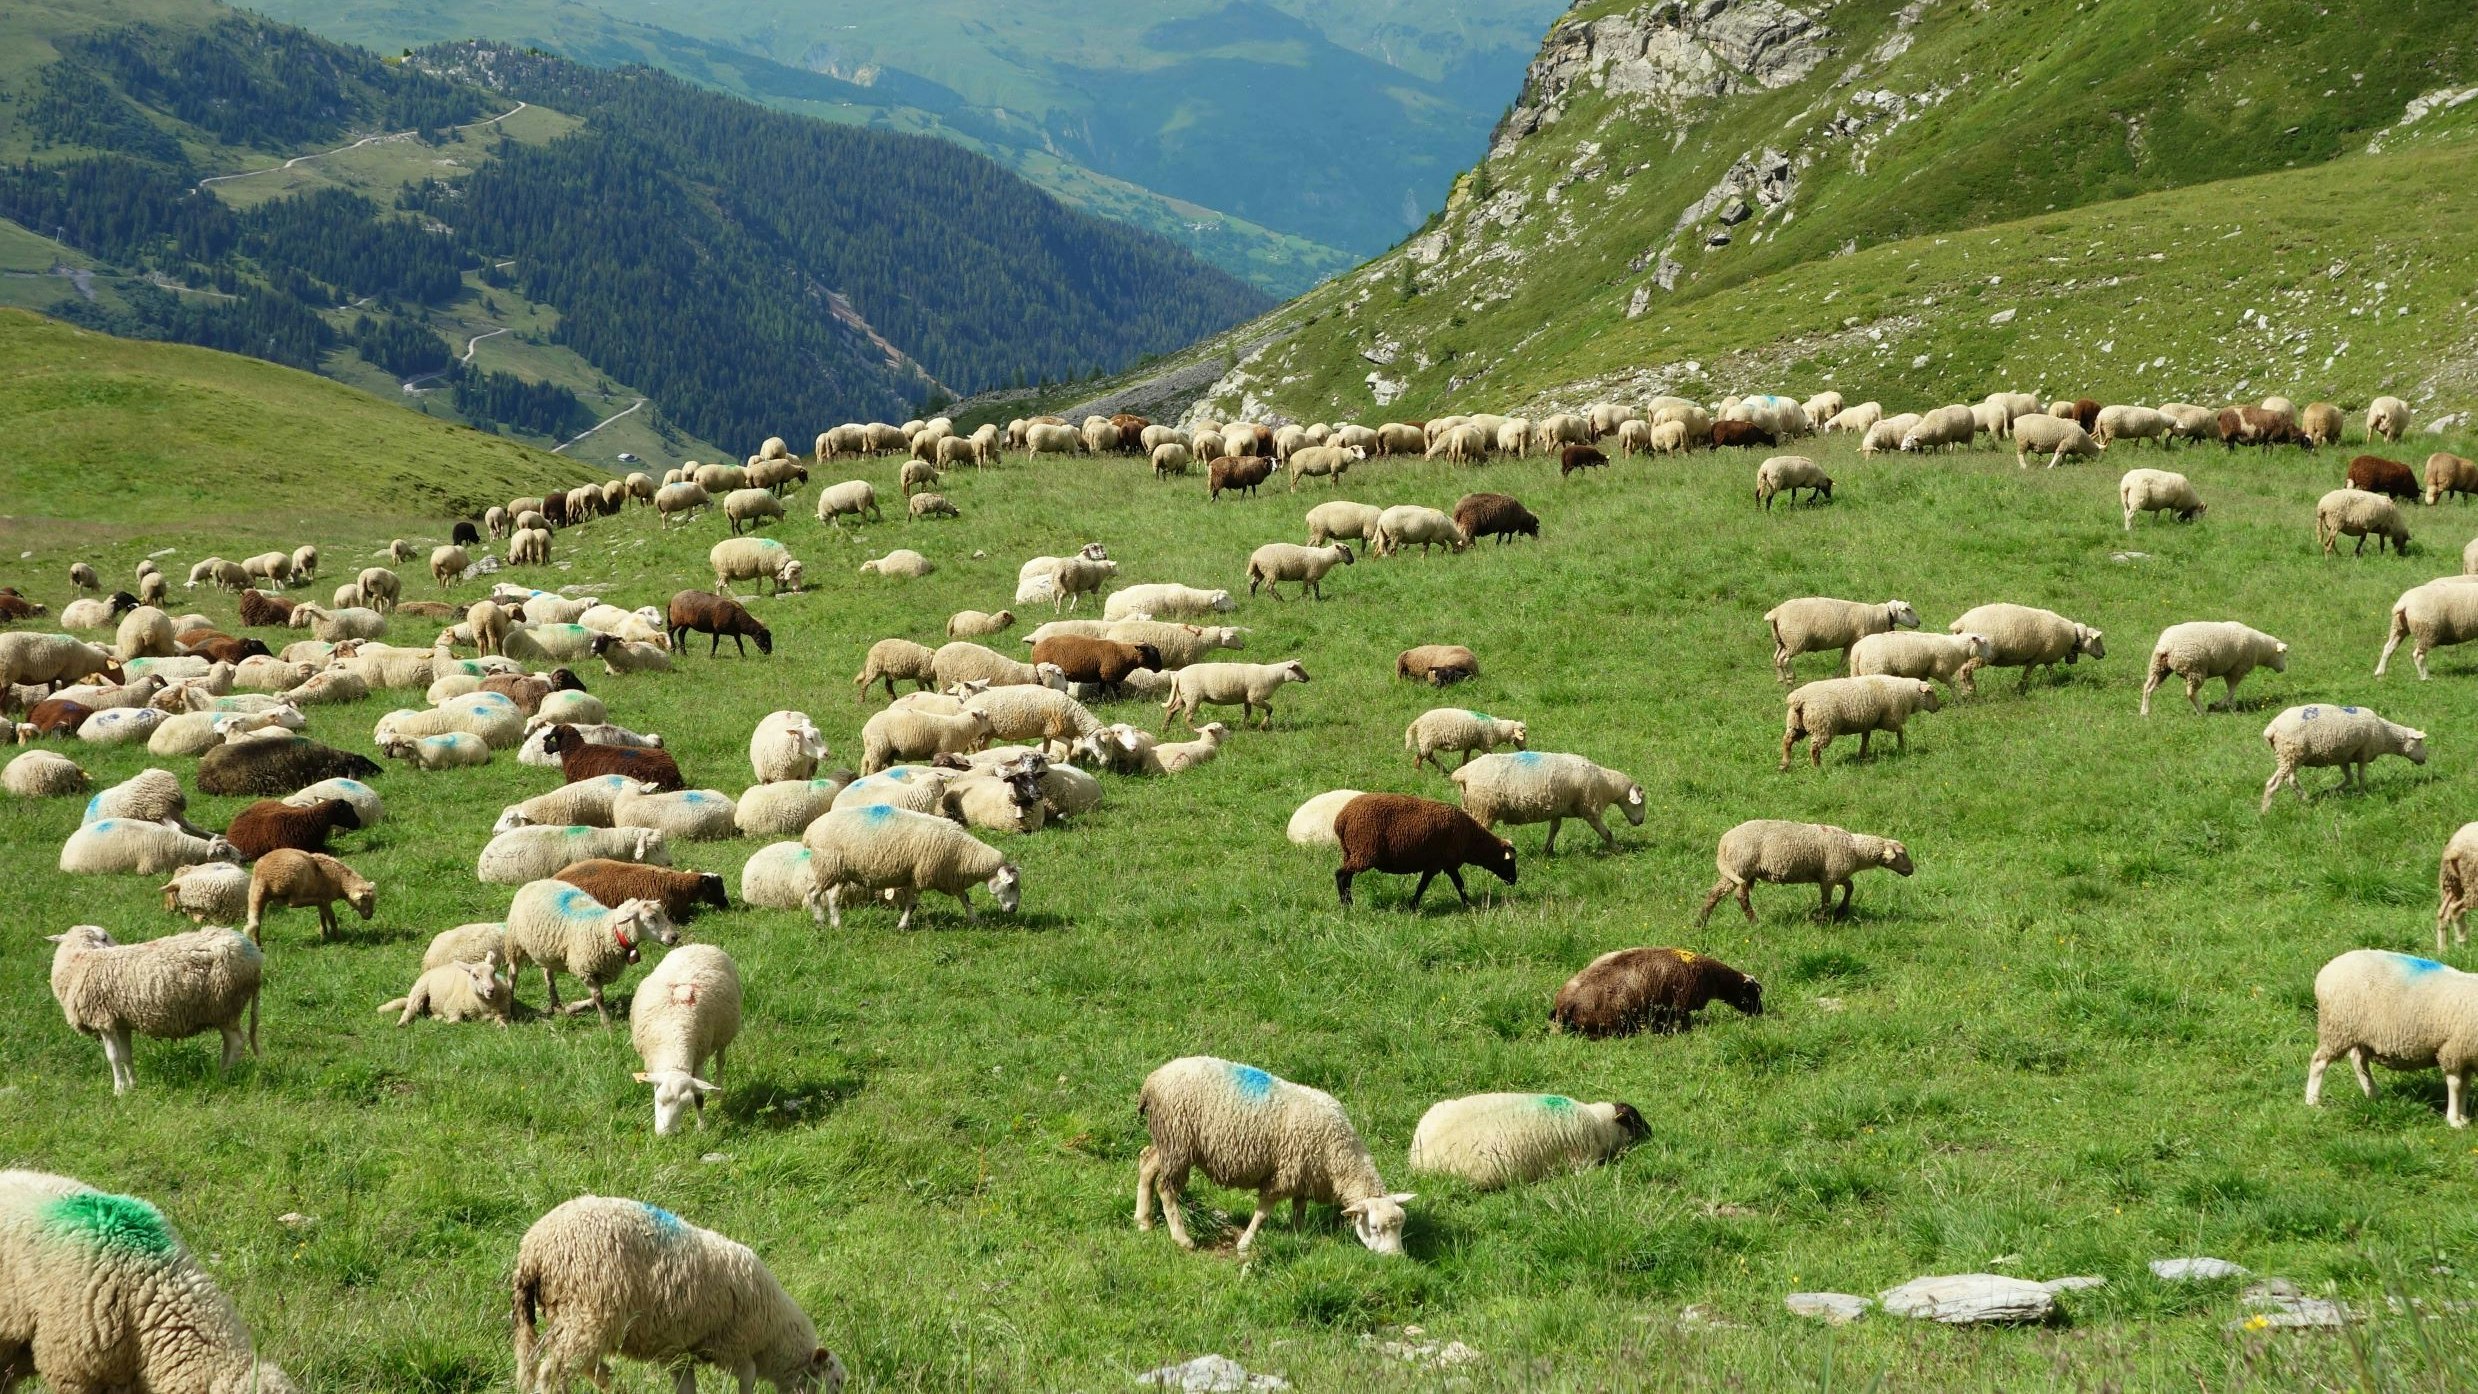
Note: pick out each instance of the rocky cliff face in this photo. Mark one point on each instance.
(1665, 56)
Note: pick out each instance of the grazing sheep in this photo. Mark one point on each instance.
(1821, 711)
(1401, 835)
(702, 612)
(1165, 601)
(2116, 423)
(83, 577)
(1536, 787)
(2437, 614)
(1342, 521)
(1180, 645)
(880, 848)
(125, 846)
(523, 854)
(1660, 990)
(1816, 623)
(1946, 427)
(978, 624)
(270, 823)
(289, 879)
(2407, 1013)
(1492, 515)
(462, 990)
(932, 506)
(679, 893)
(894, 736)
(686, 1012)
(607, 1277)
(40, 774)
(1788, 474)
(560, 928)
(1578, 457)
(683, 498)
(1496, 1140)
(1887, 434)
(902, 562)
(2457, 884)
(1276, 562)
(753, 559)
(2050, 436)
(2447, 473)
(681, 815)
(380, 587)
(1854, 420)
(2259, 427)
(2320, 423)
(1438, 665)
(1236, 473)
(1458, 728)
(2204, 649)
(170, 989)
(1250, 1130)
(2377, 475)
(2027, 638)
(2359, 514)
(2387, 418)
(2158, 491)
(853, 498)
(448, 564)
(898, 660)
(1952, 659)
(217, 892)
(752, 507)
(1405, 524)
(2312, 737)
(1329, 462)
(1246, 686)
(1798, 854)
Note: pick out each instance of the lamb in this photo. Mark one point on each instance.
(208, 891)
(1342, 521)
(2439, 613)
(679, 893)
(459, 990)
(102, 1295)
(1182, 756)
(126, 846)
(1438, 665)
(960, 662)
(2158, 491)
(1952, 659)
(2312, 737)
(1817, 623)
(619, 1277)
(1821, 711)
(1457, 728)
(884, 849)
(1533, 787)
(560, 928)
(1492, 515)
(978, 624)
(753, 559)
(901, 562)
(269, 824)
(286, 878)
(893, 736)
(1246, 686)
(2204, 649)
(40, 774)
(2377, 475)
(170, 989)
(681, 815)
(898, 660)
(1496, 1140)
(1276, 562)
(1401, 835)
(2386, 419)
(1404, 524)
(703, 612)
(1180, 645)
(1798, 854)
(524, 854)
(853, 498)
(2027, 638)
(1626, 991)
(754, 507)
(1250, 1130)
(1788, 474)
(1166, 601)
(2051, 436)
(2407, 1013)
(2359, 514)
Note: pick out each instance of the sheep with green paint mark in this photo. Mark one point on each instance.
(779, 876)
(1254, 1131)
(1493, 1140)
(171, 988)
(2407, 1013)
(781, 808)
(1539, 787)
(564, 930)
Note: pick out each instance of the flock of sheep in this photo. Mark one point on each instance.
(985, 741)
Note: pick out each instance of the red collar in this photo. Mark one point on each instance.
(619, 935)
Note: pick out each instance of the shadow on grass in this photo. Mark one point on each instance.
(779, 1102)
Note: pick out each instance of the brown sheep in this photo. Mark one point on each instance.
(262, 611)
(287, 877)
(1660, 990)
(1103, 661)
(1236, 472)
(2256, 426)
(1742, 433)
(705, 613)
(616, 883)
(1131, 431)
(1437, 664)
(2377, 475)
(580, 758)
(527, 690)
(2086, 413)
(57, 716)
(1481, 515)
(14, 606)
(1578, 457)
(2447, 473)
(271, 823)
(1402, 835)
(223, 648)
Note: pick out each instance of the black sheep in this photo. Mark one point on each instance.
(1631, 990)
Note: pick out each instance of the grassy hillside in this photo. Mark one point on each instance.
(2071, 1043)
(118, 442)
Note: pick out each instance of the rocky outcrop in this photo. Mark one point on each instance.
(1667, 55)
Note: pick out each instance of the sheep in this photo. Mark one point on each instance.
(681, 815)
(1796, 854)
(583, 752)
(40, 774)
(459, 990)
(2377, 475)
(2258, 427)
(328, 688)
(892, 736)
(1886, 434)
(785, 806)
(778, 876)
(1789, 474)
(335, 626)
(129, 846)
(2311, 737)
(1101, 661)
(1944, 427)
(1854, 420)
(1329, 462)
(982, 799)
(1535, 787)
(2359, 514)
(913, 788)
(2457, 885)
(1166, 601)
(702, 612)
(119, 725)
(523, 854)
(897, 660)
(1073, 578)
(621, 657)
(54, 660)
(1456, 728)
(2437, 614)
(560, 928)
(1276, 562)
(978, 624)
(683, 498)
(2386, 419)
(1820, 711)
(1495, 1140)
(2190, 422)
(1953, 660)
(880, 848)
(2447, 473)
(267, 673)
(2158, 491)
(585, 803)
(1236, 473)
(1816, 623)
(380, 587)
(169, 989)
(1635, 437)
(2026, 638)
(719, 479)
(902, 562)
(679, 893)
(1341, 520)
(2320, 423)
(619, 1277)
(1022, 713)
(1626, 991)
(686, 1012)
(967, 662)
(1180, 645)
(1246, 686)
(1401, 835)
(83, 577)
(287, 878)
(448, 564)
(753, 507)
(2201, 650)
(1180, 757)
(2407, 1013)
(468, 943)
(1313, 824)
(90, 612)
(448, 750)
(1251, 1130)
(1404, 524)
(2116, 423)
(208, 891)
(1438, 665)
(392, 668)
(754, 559)
(1494, 515)
(270, 823)
(2050, 436)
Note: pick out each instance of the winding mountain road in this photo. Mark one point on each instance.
(414, 384)
(597, 426)
(356, 145)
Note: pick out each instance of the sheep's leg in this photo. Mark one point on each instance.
(2454, 1081)
(1342, 886)
(602, 1009)
(1299, 1211)
(1824, 901)
(2417, 655)
(326, 922)
(232, 1048)
(1422, 888)
(2366, 1077)
(550, 991)
(964, 898)
(1146, 1162)
(1455, 875)
(2271, 786)
(1264, 1206)
(116, 1055)
(1789, 741)
(1548, 845)
(1608, 839)
(2314, 1075)
(684, 1378)
(1816, 741)
(1173, 1214)
(1864, 736)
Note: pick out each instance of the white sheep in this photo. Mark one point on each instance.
(885, 849)
(1164, 600)
(1781, 853)
(623, 656)
(44, 774)
(978, 624)
(753, 507)
(2201, 650)
(337, 625)
(458, 990)
(1945, 427)
(145, 632)
(585, 803)
(913, 788)
(2158, 491)
(598, 1277)
(2051, 436)
(524, 854)
(2408, 1013)
(682, 498)
(1331, 462)
(1539, 787)
(120, 725)
(681, 815)
(1251, 1130)
(129, 847)
(1073, 578)
(1886, 434)
(962, 661)
(1313, 824)
(853, 498)
(893, 736)
(449, 750)
(754, 559)
(563, 929)
(1181, 756)
(1180, 645)
(364, 799)
(1787, 474)
(2359, 514)
(2026, 638)
(2312, 737)
(1821, 711)
(1494, 1140)
(2118, 423)
(2435, 615)
(1341, 520)
(1855, 419)
(778, 876)
(1276, 562)
(1407, 523)
(901, 562)
(170, 989)
(891, 661)
(2387, 418)
(785, 745)
(149, 796)
(1814, 624)
(1952, 659)
(686, 1012)
(1020, 713)
(1458, 728)
(1246, 686)
(784, 807)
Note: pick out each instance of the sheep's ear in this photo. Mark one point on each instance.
(1403, 1197)
(54, 938)
(704, 1090)
(643, 1078)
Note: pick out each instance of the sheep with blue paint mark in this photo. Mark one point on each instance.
(524, 854)
(781, 808)
(913, 788)
(1251, 1130)
(2319, 735)
(1458, 728)
(1494, 1140)
(779, 876)
(149, 796)
(884, 849)
(1533, 786)
(585, 803)
(126, 846)
(684, 815)
(562, 929)
(2404, 1012)
(451, 750)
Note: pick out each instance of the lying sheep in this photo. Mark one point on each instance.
(1276, 562)
(335, 626)
(1951, 659)
(1182, 756)
(452, 750)
(1438, 665)
(271, 823)
(785, 745)
(679, 893)
(1163, 601)
(1458, 728)
(897, 660)
(1818, 623)
(560, 928)
(1536, 787)
(1798, 854)
(685, 1013)
(623, 656)
(2050, 436)
(2408, 1013)
(586, 803)
(2312, 737)
(1821, 711)
(778, 876)
(977, 624)
(149, 796)
(2359, 514)
(680, 815)
(1789, 474)
(126, 846)
(913, 788)
(32, 659)
(1405, 524)
(884, 849)
(893, 736)
(1250, 1130)
(469, 990)
(783, 807)
(120, 725)
(1629, 990)
(987, 800)
(170, 989)
(2158, 491)
(1400, 835)
(2028, 638)
(1246, 686)
(605, 1277)
(524, 854)
(2433, 615)
(2201, 650)
(1495, 1140)
(41, 774)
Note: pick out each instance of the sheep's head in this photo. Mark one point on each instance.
(1747, 996)
(2087, 641)
(1632, 803)
(1980, 646)
(1378, 1221)
(510, 817)
(1343, 549)
(1222, 602)
(2413, 745)
(1501, 860)
(650, 848)
(1895, 858)
(1629, 1120)
(1928, 700)
(220, 850)
(1052, 676)
(2279, 661)
(1007, 887)
(1901, 615)
(823, 1374)
(675, 1093)
(1294, 671)
(646, 920)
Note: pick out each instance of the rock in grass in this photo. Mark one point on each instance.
(2279, 1306)
(2195, 1270)
(1211, 1374)
(1838, 1308)
(1970, 1299)
(2074, 1284)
